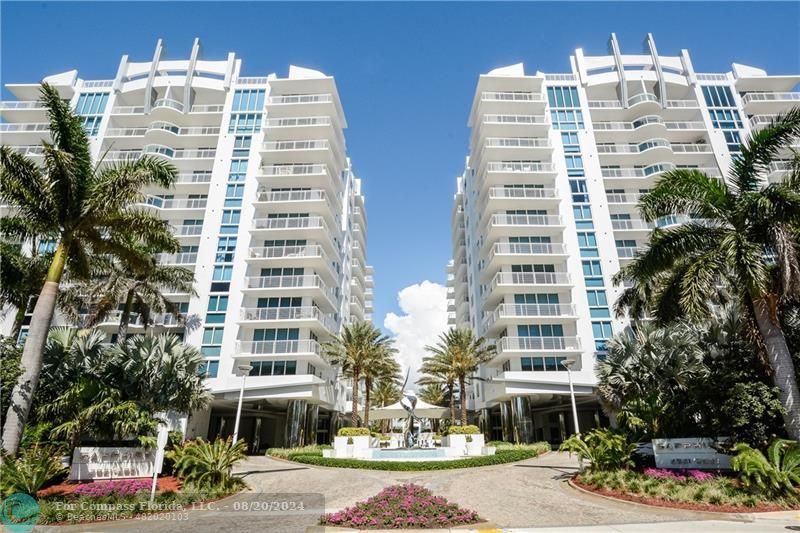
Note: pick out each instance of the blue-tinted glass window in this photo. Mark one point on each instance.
(248, 100)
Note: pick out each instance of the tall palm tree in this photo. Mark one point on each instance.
(746, 239)
(21, 278)
(435, 394)
(381, 367)
(85, 210)
(352, 351)
(140, 286)
(459, 348)
(436, 371)
(385, 392)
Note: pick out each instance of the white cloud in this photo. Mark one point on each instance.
(424, 307)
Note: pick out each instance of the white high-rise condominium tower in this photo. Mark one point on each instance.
(269, 214)
(545, 212)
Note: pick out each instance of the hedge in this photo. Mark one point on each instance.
(502, 456)
(463, 430)
(353, 432)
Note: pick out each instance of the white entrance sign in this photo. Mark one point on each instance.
(700, 453)
(90, 463)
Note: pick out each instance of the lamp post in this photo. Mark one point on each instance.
(244, 369)
(568, 366)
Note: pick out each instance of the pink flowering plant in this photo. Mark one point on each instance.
(678, 475)
(402, 507)
(116, 487)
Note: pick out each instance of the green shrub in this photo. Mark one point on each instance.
(311, 449)
(777, 472)
(502, 456)
(463, 430)
(207, 465)
(353, 432)
(604, 448)
(30, 471)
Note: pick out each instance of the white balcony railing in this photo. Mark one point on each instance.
(521, 192)
(291, 196)
(297, 122)
(521, 344)
(32, 127)
(771, 97)
(623, 198)
(519, 166)
(193, 177)
(517, 142)
(176, 203)
(301, 99)
(632, 225)
(21, 104)
(528, 248)
(511, 96)
(287, 313)
(294, 170)
(184, 258)
(525, 220)
(310, 281)
(532, 278)
(281, 252)
(514, 119)
(289, 223)
(278, 347)
(188, 230)
(530, 310)
(284, 146)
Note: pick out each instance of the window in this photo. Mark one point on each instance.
(274, 368)
(245, 123)
(563, 97)
(535, 298)
(226, 246)
(718, 96)
(248, 100)
(543, 364)
(506, 366)
(222, 273)
(566, 120)
(725, 119)
(601, 332)
(241, 145)
(276, 334)
(233, 194)
(91, 125)
(569, 139)
(230, 221)
(238, 170)
(218, 303)
(208, 369)
(598, 303)
(286, 301)
(587, 243)
(212, 341)
(733, 140)
(91, 104)
(592, 273)
(540, 330)
(574, 165)
(579, 190)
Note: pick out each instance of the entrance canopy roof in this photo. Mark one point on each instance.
(423, 410)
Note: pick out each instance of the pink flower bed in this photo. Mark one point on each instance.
(678, 475)
(117, 487)
(402, 507)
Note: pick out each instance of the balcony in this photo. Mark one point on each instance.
(308, 256)
(512, 125)
(504, 314)
(760, 121)
(294, 128)
(283, 201)
(306, 316)
(650, 125)
(518, 225)
(515, 148)
(292, 105)
(632, 225)
(188, 230)
(179, 259)
(173, 208)
(521, 172)
(769, 102)
(306, 347)
(23, 111)
(316, 151)
(305, 285)
(25, 133)
(538, 344)
(623, 198)
(504, 252)
(311, 227)
(627, 252)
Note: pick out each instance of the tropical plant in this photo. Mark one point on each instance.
(21, 278)
(353, 351)
(434, 394)
(353, 432)
(85, 210)
(140, 286)
(740, 233)
(777, 472)
(385, 392)
(207, 465)
(10, 354)
(438, 371)
(463, 430)
(30, 471)
(604, 448)
(382, 367)
(460, 350)
(160, 372)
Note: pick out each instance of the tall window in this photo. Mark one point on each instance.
(91, 107)
(248, 100)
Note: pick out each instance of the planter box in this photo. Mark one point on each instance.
(459, 443)
(488, 450)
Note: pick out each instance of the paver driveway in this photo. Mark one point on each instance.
(530, 493)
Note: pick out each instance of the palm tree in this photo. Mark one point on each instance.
(743, 235)
(159, 372)
(353, 350)
(385, 392)
(382, 367)
(84, 210)
(21, 278)
(435, 394)
(464, 353)
(438, 371)
(140, 286)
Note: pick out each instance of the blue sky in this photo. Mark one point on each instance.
(406, 74)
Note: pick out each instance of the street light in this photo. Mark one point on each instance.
(568, 365)
(244, 369)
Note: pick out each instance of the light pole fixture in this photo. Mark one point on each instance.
(244, 369)
(568, 365)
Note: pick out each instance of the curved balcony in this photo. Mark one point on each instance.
(309, 316)
(168, 103)
(769, 102)
(305, 347)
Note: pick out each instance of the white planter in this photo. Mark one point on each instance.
(349, 450)
(474, 448)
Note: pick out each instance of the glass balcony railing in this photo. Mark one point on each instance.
(278, 347)
(531, 278)
(521, 344)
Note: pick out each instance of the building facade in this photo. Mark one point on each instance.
(269, 214)
(545, 212)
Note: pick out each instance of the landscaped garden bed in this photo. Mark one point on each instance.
(709, 492)
(402, 507)
(505, 454)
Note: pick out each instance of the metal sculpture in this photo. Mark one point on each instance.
(409, 404)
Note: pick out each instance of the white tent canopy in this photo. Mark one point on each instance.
(422, 410)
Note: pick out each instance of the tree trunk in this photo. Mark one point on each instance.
(780, 359)
(122, 332)
(367, 387)
(452, 404)
(354, 414)
(22, 396)
(462, 397)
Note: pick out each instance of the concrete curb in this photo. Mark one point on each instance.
(735, 517)
(481, 527)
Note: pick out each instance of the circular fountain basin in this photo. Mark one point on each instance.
(411, 454)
